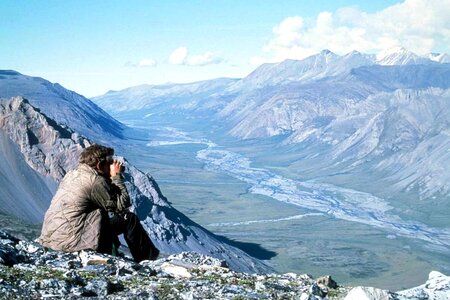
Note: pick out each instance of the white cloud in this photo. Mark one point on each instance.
(207, 58)
(143, 63)
(418, 25)
(146, 62)
(180, 56)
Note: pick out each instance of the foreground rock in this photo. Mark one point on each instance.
(27, 270)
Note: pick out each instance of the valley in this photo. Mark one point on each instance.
(332, 164)
(301, 226)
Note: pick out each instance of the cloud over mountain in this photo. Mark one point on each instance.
(418, 25)
(180, 56)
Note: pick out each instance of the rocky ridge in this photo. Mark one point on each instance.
(29, 271)
(62, 105)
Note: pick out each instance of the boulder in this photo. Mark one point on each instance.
(437, 287)
(367, 293)
(327, 281)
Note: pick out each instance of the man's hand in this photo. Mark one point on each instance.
(116, 168)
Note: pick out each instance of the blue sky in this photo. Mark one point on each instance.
(95, 46)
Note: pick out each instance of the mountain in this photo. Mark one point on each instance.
(404, 134)
(291, 108)
(318, 66)
(400, 56)
(156, 99)
(364, 112)
(327, 63)
(230, 101)
(38, 152)
(439, 57)
(65, 107)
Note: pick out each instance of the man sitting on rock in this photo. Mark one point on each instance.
(79, 215)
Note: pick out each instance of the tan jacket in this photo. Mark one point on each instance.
(72, 222)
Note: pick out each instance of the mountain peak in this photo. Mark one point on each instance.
(439, 57)
(399, 56)
(326, 52)
(393, 51)
(62, 105)
(9, 73)
(354, 52)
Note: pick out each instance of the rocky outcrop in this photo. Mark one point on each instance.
(30, 271)
(36, 152)
(50, 150)
(437, 287)
(27, 270)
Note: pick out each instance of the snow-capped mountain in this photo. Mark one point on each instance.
(400, 56)
(36, 153)
(326, 63)
(439, 57)
(65, 107)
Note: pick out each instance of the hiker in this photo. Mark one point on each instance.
(90, 210)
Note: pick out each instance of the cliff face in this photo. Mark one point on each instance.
(48, 148)
(27, 270)
(37, 154)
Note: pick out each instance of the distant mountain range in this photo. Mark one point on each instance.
(36, 152)
(385, 116)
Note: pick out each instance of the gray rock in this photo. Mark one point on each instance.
(28, 247)
(8, 256)
(98, 287)
(232, 289)
(368, 293)
(317, 291)
(437, 287)
(62, 275)
(327, 281)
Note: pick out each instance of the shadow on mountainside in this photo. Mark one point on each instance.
(171, 213)
(252, 249)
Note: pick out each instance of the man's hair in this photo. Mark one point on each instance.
(94, 154)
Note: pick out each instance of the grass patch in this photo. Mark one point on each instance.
(169, 291)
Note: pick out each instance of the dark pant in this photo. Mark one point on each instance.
(140, 245)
